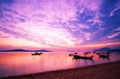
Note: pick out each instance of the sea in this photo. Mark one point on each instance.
(19, 63)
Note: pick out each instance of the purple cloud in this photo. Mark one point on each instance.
(59, 23)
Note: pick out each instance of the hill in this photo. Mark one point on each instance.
(107, 49)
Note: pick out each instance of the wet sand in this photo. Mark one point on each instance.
(103, 71)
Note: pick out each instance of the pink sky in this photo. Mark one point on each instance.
(63, 24)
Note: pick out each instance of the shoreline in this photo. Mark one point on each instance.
(102, 71)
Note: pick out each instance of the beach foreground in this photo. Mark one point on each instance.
(103, 71)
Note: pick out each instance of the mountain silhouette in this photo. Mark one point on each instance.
(107, 49)
(23, 50)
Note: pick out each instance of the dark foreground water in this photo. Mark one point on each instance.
(18, 63)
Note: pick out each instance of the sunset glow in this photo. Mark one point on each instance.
(59, 24)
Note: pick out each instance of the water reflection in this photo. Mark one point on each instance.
(22, 63)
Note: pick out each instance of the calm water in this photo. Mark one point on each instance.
(24, 63)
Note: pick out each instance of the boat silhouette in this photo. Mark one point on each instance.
(83, 57)
(36, 53)
(104, 56)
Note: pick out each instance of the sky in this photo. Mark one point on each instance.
(59, 24)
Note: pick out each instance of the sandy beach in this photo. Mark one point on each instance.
(103, 71)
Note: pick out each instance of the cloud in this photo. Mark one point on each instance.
(117, 8)
(59, 23)
(117, 34)
(87, 36)
(96, 19)
(3, 35)
(11, 17)
(53, 36)
(118, 29)
(92, 5)
(47, 35)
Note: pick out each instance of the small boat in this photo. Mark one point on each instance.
(70, 54)
(104, 56)
(75, 53)
(82, 57)
(87, 53)
(36, 53)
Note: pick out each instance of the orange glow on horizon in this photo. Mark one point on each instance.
(15, 43)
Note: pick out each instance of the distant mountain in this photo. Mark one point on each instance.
(115, 50)
(42, 50)
(14, 50)
(105, 49)
(19, 50)
(108, 49)
(22, 50)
